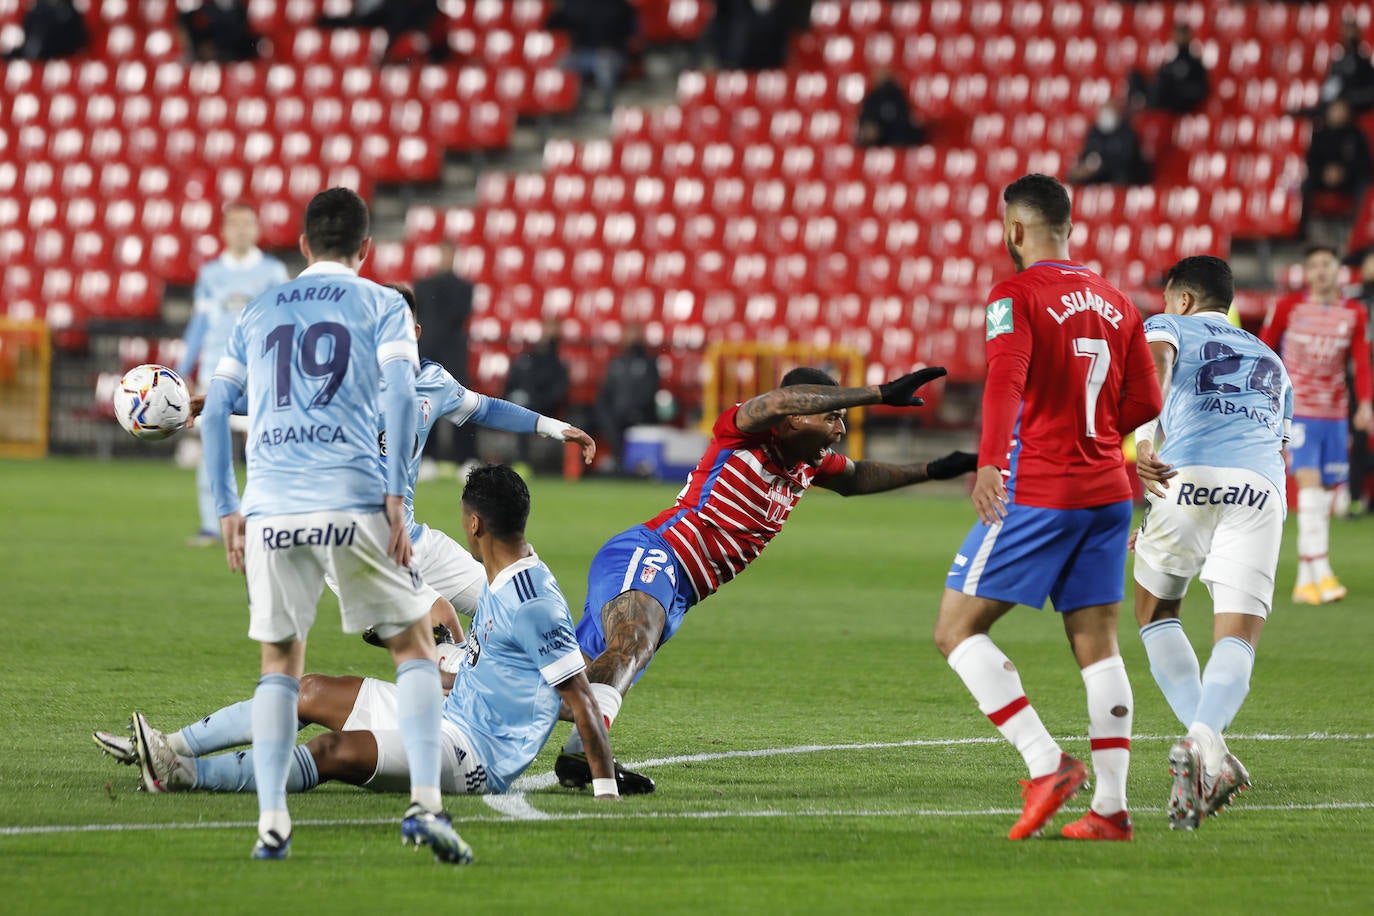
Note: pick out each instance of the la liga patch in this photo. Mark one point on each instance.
(999, 317)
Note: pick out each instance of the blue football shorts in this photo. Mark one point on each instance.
(1074, 557)
(635, 560)
(1321, 445)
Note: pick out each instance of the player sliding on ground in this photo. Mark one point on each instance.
(763, 456)
(521, 662)
(1216, 505)
(1068, 370)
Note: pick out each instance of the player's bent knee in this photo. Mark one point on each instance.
(346, 756)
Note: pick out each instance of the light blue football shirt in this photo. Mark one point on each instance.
(223, 288)
(520, 645)
(310, 354)
(1230, 400)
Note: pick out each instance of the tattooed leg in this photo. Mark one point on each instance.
(633, 623)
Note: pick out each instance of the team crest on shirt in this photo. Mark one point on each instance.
(647, 574)
(999, 317)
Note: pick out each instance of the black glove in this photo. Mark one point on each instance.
(954, 464)
(900, 392)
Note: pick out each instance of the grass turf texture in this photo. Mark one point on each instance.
(824, 642)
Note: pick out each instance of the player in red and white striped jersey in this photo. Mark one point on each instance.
(763, 456)
(1317, 332)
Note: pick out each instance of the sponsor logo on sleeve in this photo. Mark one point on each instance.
(999, 317)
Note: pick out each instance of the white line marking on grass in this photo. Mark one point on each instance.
(642, 816)
(515, 806)
(522, 810)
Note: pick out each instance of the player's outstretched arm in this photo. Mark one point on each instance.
(866, 477)
(576, 693)
(219, 463)
(768, 409)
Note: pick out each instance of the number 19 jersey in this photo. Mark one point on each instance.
(1230, 398)
(310, 354)
(1068, 371)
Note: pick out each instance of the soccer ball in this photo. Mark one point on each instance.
(152, 402)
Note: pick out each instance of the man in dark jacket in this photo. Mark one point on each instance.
(1351, 76)
(885, 114)
(538, 380)
(1181, 85)
(600, 31)
(218, 31)
(443, 305)
(52, 29)
(626, 395)
(1111, 152)
(1338, 171)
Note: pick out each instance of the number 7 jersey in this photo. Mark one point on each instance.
(1230, 399)
(309, 354)
(1069, 372)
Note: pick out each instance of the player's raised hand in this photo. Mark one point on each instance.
(573, 434)
(197, 405)
(1153, 473)
(398, 546)
(231, 529)
(900, 392)
(989, 495)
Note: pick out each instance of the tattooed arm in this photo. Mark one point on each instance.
(768, 409)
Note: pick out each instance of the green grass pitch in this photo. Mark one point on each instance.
(812, 750)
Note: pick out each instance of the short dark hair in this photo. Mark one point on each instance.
(336, 222)
(807, 375)
(1318, 248)
(1045, 195)
(407, 294)
(1207, 277)
(500, 498)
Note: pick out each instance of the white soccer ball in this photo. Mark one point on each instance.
(152, 402)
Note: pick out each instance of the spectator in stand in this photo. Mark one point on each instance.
(1360, 464)
(752, 34)
(538, 380)
(1111, 152)
(1338, 171)
(1351, 77)
(443, 305)
(52, 29)
(885, 115)
(626, 396)
(1180, 86)
(414, 28)
(601, 32)
(218, 31)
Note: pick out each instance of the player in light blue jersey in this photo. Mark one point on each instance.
(521, 663)
(1215, 491)
(321, 358)
(223, 287)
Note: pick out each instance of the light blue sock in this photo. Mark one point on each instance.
(419, 705)
(274, 735)
(234, 772)
(1225, 683)
(205, 501)
(231, 726)
(1174, 666)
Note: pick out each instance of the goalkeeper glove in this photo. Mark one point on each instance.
(954, 464)
(901, 392)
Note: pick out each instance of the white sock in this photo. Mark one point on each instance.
(1211, 745)
(992, 679)
(1110, 713)
(608, 701)
(1314, 534)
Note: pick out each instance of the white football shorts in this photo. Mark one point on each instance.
(449, 569)
(1223, 525)
(461, 773)
(287, 558)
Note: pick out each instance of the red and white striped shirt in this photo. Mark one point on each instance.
(735, 501)
(1314, 341)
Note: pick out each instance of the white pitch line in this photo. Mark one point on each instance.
(523, 810)
(514, 806)
(639, 816)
